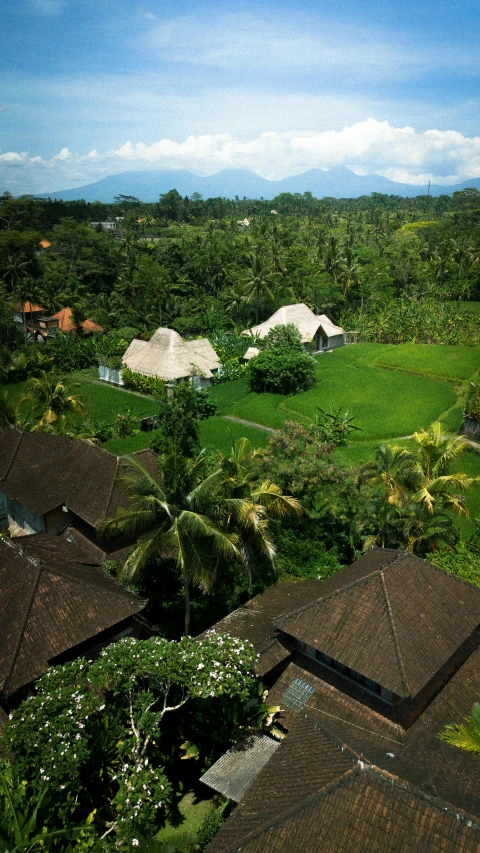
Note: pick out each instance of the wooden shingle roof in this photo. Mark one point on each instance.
(315, 795)
(46, 471)
(397, 625)
(51, 604)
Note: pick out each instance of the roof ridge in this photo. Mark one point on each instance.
(396, 641)
(21, 437)
(307, 801)
(114, 480)
(444, 572)
(322, 598)
(117, 590)
(432, 799)
(39, 566)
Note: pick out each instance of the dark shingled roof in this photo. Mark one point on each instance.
(235, 771)
(45, 471)
(47, 608)
(316, 796)
(397, 624)
(254, 620)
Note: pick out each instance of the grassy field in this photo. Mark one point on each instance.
(192, 811)
(390, 390)
(105, 401)
(218, 434)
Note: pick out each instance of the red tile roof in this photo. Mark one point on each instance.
(28, 307)
(66, 324)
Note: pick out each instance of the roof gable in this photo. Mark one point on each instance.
(169, 357)
(47, 609)
(313, 795)
(46, 471)
(397, 625)
(66, 324)
(302, 317)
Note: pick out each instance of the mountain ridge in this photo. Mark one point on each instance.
(338, 182)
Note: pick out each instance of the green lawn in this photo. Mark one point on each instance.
(104, 401)
(218, 434)
(385, 402)
(192, 812)
(446, 362)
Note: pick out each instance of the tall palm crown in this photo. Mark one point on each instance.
(428, 472)
(170, 516)
(52, 394)
(196, 520)
(250, 505)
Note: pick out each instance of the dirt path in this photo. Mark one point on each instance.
(248, 423)
(471, 442)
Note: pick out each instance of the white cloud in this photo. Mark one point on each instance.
(367, 147)
(245, 42)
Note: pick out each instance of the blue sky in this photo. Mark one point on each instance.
(94, 88)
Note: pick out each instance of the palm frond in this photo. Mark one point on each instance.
(465, 735)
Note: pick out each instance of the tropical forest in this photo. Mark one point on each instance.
(288, 467)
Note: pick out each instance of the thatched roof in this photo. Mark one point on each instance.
(169, 357)
(307, 323)
(251, 353)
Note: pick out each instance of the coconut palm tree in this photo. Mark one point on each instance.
(248, 505)
(428, 472)
(51, 394)
(465, 735)
(168, 516)
(258, 284)
(390, 459)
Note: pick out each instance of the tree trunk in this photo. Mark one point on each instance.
(186, 592)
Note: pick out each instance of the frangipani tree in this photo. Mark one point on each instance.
(57, 732)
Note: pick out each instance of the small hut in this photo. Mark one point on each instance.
(317, 332)
(167, 356)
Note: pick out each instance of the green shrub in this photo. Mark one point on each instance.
(209, 827)
(144, 384)
(281, 372)
(472, 403)
(230, 348)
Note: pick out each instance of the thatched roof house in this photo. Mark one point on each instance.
(169, 357)
(317, 332)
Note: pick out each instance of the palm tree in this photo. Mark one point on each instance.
(168, 516)
(427, 473)
(465, 735)
(53, 397)
(259, 281)
(250, 505)
(390, 459)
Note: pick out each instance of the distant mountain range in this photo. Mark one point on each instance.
(338, 182)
